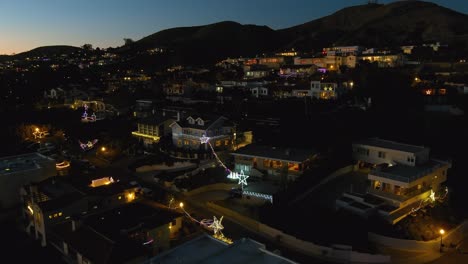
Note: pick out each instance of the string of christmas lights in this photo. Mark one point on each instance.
(232, 175)
(430, 198)
(215, 225)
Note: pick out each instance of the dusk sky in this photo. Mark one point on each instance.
(27, 24)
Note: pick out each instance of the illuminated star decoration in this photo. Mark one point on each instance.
(432, 196)
(216, 225)
(242, 178)
(39, 134)
(88, 145)
(204, 139)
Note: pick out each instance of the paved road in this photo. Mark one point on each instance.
(455, 257)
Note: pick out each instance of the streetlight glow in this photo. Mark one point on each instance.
(442, 232)
(181, 205)
(103, 149)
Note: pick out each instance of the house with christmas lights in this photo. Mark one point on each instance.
(402, 178)
(151, 129)
(16, 171)
(55, 200)
(125, 234)
(272, 162)
(318, 90)
(186, 133)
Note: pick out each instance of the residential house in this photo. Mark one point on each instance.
(344, 50)
(271, 62)
(143, 108)
(54, 200)
(317, 90)
(16, 171)
(126, 234)
(186, 133)
(151, 129)
(384, 60)
(259, 91)
(272, 162)
(402, 175)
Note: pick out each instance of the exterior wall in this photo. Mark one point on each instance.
(221, 136)
(323, 90)
(273, 62)
(11, 183)
(432, 180)
(256, 74)
(385, 60)
(259, 91)
(161, 236)
(272, 167)
(370, 154)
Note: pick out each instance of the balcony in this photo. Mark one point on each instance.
(400, 198)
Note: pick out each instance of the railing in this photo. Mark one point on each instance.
(403, 197)
(409, 179)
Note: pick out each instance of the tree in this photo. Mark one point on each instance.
(87, 47)
(128, 41)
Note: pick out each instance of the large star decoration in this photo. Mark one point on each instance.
(204, 139)
(216, 225)
(242, 178)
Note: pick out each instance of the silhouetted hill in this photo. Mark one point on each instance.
(371, 25)
(211, 43)
(46, 51)
(374, 25)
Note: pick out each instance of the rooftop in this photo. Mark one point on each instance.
(60, 202)
(275, 153)
(405, 173)
(96, 247)
(381, 143)
(24, 162)
(205, 249)
(126, 217)
(208, 120)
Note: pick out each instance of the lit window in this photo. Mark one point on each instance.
(50, 216)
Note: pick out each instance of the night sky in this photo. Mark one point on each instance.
(26, 24)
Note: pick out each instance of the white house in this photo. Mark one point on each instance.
(259, 91)
(402, 175)
(186, 133)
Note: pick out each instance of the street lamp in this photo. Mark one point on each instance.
(103, 149)
(181, 205)
(442, 232)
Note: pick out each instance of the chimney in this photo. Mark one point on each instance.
(73, 225)
(178, 116)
